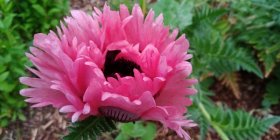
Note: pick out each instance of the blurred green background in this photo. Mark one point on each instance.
(236, 53)
(19, 21)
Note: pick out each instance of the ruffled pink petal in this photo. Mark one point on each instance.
(145, 102)
(134, 87)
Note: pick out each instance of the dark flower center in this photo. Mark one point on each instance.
(121, 66)
(124, 68)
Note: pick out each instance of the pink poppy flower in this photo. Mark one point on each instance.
(113, 63)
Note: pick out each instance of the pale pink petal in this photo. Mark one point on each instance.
(34, 82)
(67, 109)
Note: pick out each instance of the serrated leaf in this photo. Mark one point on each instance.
(240, 125)
(203, 128)
(272, 95)
(90, 128)
(222, 57)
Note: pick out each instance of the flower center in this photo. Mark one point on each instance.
(118, 114)
(121, 66)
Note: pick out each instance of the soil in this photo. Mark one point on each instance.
(252, 91)
(41, 124)
(251, 87)
(47, 124)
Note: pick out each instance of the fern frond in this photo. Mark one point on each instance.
(207, 13)
(196, 115)
(231, 59)
(229, 124)
(223, 58)
(90, 128)
(240, 125)
(231, 81)
(203, 128)
(272, 95)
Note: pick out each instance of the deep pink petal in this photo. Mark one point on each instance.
(138, 106)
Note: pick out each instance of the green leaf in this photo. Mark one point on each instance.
(222, 57)
(228, 123)
(8, 21)
(142, 130)
(7, 87)
(4, 122)
(207, 14)
(203, 128)
(3, 76)
(54, 11)
(122, 136)
(1, 24)
(90, 128)
(272, 95)
(176, 14)
(240, 125)
(39, 9)
(115, 4)
(21, 116)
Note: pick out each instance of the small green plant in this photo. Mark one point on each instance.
(38, 16)
(11, 65)
(142, 130)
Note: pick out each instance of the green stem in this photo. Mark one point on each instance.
(204, 112)
(144, 6)
(220, 132)
(208, 117)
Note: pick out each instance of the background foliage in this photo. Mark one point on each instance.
(227, 37)
(19, 20)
